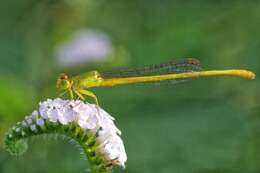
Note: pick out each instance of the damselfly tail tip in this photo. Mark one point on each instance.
(249, 75)
(253, 75)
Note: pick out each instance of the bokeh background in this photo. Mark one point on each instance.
(203, 126)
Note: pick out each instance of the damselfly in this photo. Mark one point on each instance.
(173, 71)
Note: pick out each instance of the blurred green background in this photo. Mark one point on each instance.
(202, 126)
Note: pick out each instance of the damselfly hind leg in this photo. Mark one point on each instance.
(90, 94)
(81, 92)
(79, 95)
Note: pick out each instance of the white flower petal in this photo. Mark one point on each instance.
(33, 128)
(87, 120)
(40, 122)
(29, 121)
(44, 108)
(53, 114)
(68, 115)
(34, 114)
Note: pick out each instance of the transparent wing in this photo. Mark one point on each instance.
(172, 67)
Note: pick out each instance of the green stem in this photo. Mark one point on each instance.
(15, 141)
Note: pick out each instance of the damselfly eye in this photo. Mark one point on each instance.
(63, 76)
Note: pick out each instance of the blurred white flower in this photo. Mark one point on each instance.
(83, 47)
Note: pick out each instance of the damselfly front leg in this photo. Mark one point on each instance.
(71, 93)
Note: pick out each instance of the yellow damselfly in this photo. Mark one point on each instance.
(173, 71)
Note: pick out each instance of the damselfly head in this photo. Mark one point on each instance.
(63, 82)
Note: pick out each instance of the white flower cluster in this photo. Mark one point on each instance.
(88, 117)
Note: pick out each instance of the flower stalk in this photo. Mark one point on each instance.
(89, 125)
